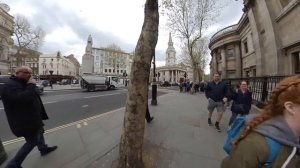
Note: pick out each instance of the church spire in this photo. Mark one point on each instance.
(170, 40)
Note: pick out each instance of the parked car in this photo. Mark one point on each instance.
(165, 84)
(65, 82)
(39, 88)
(44, 82)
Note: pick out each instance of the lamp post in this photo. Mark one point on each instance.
(154, 85)
(3, 155)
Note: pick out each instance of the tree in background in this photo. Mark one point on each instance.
(200, 55)
(189, 19)
(26, 37)
(131, 144)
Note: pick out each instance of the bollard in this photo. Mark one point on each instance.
(3, 155)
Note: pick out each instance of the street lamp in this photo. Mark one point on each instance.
(3, 155)
(154, 85)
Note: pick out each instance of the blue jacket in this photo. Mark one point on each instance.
(216, 91)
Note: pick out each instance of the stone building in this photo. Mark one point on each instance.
(171, 72)
(6, 31)
(265, 41)
(27, 57)
(56, 63)
(75, 62)
(106, 61)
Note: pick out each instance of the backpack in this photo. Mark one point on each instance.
(234, 133)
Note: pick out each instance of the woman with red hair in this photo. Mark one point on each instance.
(280, 121)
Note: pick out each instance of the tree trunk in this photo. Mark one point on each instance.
(131, 143)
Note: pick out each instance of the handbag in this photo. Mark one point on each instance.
(238, 108)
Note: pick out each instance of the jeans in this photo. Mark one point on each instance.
(36, 139)
(232, 118)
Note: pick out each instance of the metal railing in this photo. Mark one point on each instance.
(261, 87)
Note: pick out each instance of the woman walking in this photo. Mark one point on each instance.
(279, 121)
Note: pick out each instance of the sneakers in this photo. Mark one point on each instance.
(151, 118)
(48, 150)
(209, 122)
(217, 127)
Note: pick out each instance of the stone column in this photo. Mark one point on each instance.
(172, 76)
(167, 77)
(214, 63)
(238, 61)
(224, 63)
(176, 76)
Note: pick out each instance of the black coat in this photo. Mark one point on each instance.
(23, 107)
(242, 98)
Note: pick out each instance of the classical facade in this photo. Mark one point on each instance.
(266, 41)
(56, 63)
(6, 31)
(106, 61)
(171, 72)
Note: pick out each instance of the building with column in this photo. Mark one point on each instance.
(171, 72)
(265, 41)
(6, 32)
(106, 61)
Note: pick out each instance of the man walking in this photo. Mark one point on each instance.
(25, 111)
(215, 92)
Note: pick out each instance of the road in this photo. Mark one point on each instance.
(66, 106)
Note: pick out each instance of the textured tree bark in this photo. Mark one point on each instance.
(131, 143)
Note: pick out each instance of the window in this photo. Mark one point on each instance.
(97, 58)
(121, 71)
(109, 70)
(230, 52)
(284, 2)
(246, 46)
(297, 62)
(219, 57)
(254, 72)
(105, 70)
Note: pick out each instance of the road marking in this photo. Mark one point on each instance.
(84, 106)
(1, 108)
(50, 102)
(102, 95)
(68, 125)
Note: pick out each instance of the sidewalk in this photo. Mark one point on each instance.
(179, 137)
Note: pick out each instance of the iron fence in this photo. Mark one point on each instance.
(261, 87)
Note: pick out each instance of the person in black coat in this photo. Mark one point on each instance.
(25, 113)
(242, 100)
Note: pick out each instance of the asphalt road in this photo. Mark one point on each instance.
(66, 106)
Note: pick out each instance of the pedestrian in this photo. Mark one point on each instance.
(216, 93)
(241, 104)
(148, 116)
(25, 111)
(51, 82)
(279, 121)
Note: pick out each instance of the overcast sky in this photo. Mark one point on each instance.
(68, 23)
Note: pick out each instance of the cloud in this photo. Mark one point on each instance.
(68, 23)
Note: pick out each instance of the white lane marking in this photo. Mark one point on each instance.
(85, 123)
(78, 126)
(102, 95)
(50, 102)
(68, 125)
(84, 106)
(1, 108)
